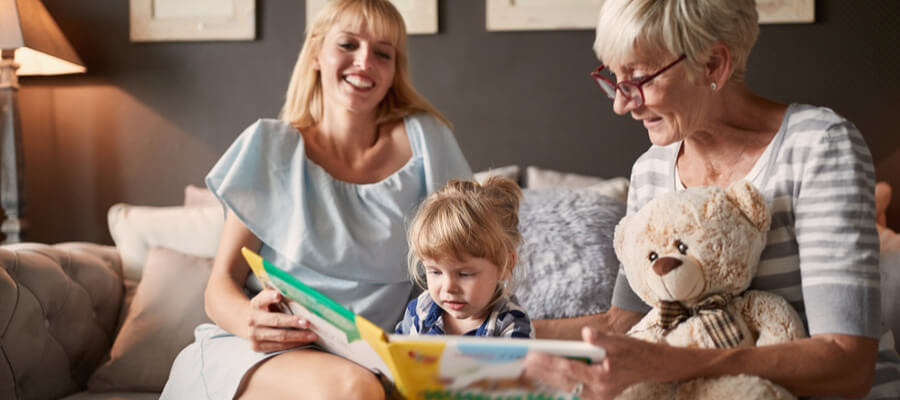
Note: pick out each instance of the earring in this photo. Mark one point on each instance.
(713, 86)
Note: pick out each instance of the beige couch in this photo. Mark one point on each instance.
(59, 308)
(92, 321)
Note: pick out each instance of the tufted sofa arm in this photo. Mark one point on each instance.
(59, 306)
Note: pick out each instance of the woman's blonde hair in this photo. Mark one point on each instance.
(303, 104)
(468, 219)
(677, 27)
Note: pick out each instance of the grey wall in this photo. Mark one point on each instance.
(149, 118)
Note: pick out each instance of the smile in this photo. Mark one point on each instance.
(651, 122)
(359, 82)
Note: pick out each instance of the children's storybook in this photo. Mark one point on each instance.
(420, 367)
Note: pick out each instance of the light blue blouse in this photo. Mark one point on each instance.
(346, 240)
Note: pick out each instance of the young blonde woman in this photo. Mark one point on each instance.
(677, 67)
(323, 192)
(463, 250)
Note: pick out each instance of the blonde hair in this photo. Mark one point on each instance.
(303, 106)
(467, 218)
(677, 27)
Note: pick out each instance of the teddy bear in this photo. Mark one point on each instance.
(691, 256)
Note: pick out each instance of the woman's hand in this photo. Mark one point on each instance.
(623, 366)
(272, 330)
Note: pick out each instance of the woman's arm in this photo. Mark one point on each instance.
(228, 306)
(614, 320)
(226, 303)
(832, 365)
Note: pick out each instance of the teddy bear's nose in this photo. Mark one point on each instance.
(665, 264)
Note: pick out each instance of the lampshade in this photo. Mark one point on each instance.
(40, 46)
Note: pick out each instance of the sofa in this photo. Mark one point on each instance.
(85, 321)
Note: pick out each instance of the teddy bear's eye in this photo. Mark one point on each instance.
(653, 256)
(682, 248)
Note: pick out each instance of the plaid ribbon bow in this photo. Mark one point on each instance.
(720, 325)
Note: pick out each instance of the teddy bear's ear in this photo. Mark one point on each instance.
(751, 202)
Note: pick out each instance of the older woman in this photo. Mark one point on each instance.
(323, 192)
(677, 66)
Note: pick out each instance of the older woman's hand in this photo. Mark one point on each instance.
(622, 367)
(273, 330)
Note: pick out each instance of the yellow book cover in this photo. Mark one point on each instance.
(421, 367)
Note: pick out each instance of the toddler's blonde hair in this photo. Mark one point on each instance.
(468, 219)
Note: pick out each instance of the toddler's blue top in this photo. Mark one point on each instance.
(346, 240)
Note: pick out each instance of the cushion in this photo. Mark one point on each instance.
(510, 171)
(167, 306)
(567, 265)
(539, 178)
(199, 196)
(190, 230)
(889, 265)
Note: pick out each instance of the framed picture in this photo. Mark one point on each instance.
(194, 20)
(421, 16)
(786, 11)
(519, 15)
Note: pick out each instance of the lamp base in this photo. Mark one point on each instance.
(12, 181)
(13, 229)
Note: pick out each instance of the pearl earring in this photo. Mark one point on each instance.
(713, 86)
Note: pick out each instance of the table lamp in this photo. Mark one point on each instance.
(32, 44)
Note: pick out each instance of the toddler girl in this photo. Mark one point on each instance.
(462, 250)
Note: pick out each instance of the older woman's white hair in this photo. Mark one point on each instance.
(675, 27)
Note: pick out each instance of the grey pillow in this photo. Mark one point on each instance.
(566, 261)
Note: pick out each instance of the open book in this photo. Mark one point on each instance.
(420, 367)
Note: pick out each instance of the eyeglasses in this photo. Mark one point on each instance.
(630, 89)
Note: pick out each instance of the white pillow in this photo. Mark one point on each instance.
(539, 178)
(189, 230)
(510, 171)
(198, 196)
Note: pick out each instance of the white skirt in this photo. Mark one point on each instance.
(213, 366)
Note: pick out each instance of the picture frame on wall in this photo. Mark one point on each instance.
(786, 11)
(526, 15)
(421, 16)
(194, 20)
